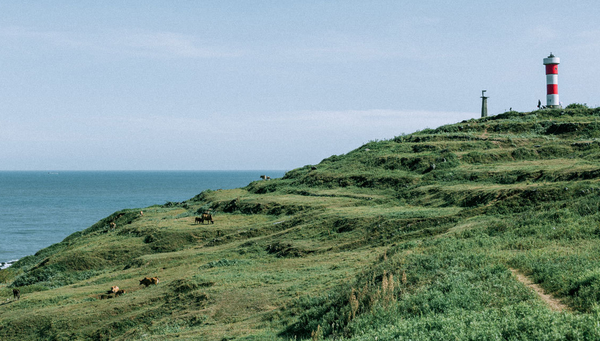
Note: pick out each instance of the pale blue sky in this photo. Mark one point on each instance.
(209, 85)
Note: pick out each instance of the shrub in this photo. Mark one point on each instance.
(163, 241)
(586, 290)
(183, 285)
(224, 262)
(573, 106)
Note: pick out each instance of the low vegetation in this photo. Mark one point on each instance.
(415, 237)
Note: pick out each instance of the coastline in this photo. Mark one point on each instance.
(5, 265)
(80, 199)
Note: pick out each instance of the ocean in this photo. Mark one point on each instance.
(38, 209)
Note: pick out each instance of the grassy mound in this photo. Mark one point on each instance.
(408, 238)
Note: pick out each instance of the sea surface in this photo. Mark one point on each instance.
(38, 209)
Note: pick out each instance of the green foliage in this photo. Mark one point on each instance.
(223, 262)
(183, 286)
(8, 275)
(576, 106)
(585, 290)
(167, 241)
(120, 218)
(516, 322)
(52, 276)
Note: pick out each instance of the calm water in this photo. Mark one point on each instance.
(38, 209)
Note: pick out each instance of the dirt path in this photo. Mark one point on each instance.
(485, 134)
(552, 302)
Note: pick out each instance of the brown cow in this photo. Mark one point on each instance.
(147, 281)
(17, 294)
(113, 289)
(208, 217)
(197, 220)
(119, 292)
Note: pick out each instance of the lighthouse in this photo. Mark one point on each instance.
(552, 81)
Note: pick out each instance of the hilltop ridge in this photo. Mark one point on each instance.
(411, 237)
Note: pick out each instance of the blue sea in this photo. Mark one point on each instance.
(38, 209)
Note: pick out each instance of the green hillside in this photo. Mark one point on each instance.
(417, 237)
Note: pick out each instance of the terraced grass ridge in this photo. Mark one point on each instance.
(464, 232)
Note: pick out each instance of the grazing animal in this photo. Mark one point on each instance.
(208, 217)
(197, 220)
(147, 281)
(17, 294)
(113, 289)
(119, 292)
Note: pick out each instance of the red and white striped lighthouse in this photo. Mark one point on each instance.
(552, 81)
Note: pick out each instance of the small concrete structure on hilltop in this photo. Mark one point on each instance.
(483, 103)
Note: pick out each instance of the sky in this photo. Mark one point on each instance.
(232, 85)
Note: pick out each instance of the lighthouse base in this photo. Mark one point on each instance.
(552, 101)
(554, 106)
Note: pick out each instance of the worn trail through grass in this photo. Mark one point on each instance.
(552, 302)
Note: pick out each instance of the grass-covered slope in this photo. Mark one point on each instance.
(409, 238)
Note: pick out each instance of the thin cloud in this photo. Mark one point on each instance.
(543, 34)
(145, 44)
(588, 42)
(364, 124)
(365, 118)
(171, 44)
(335, 47)
(402, 39)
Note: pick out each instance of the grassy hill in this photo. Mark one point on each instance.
(416, 237)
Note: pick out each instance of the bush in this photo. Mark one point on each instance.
(7, 275)
(52, 276)
(162, 241)
(574, 106)
(224, 262)
(586, 290)
(183, 286)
